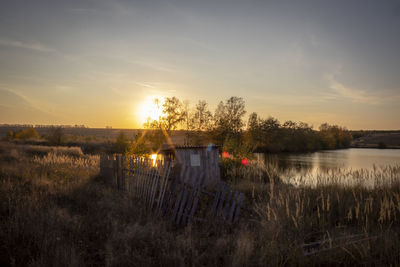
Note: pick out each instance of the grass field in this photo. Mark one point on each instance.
(56, 211)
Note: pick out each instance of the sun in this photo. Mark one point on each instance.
(150, 108)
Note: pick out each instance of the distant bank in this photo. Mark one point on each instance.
(376, 139)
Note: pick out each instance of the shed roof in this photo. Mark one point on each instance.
(169, 147)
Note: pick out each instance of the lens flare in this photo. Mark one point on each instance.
(154, 158)
(225, 154)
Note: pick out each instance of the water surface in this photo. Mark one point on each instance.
(311, 166)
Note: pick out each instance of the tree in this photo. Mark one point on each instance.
(56, 136)
(138, 145)
(254, 133)
(28, 133)
(202, 116)
(173, 114)
(121, 144)
(228, 119)
(333, 136)
(154, 133)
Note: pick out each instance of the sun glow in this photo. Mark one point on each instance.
(154, 158)
(150, 108)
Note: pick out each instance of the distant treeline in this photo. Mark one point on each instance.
(225, 127)
(268, 135)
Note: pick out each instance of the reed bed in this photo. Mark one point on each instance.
(84, 161)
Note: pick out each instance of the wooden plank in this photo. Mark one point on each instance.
(187, 209)
(221, 200)
(167, 200)
(151, 171)
(167, 203)
(191, 197)
(116, 162)
(163, 185)
(134, 178)
(197, 195)
(240, 199)
(157, 183)
(123, 169)
(216, 198)
(132, 174)
(144, 178)
(118, 171)
(195, 203)
(230, 217)
(180, 186)
(227, 204)
(140, 178)
(183, 202)
(153, 184)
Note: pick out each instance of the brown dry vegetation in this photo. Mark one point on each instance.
(56, 211)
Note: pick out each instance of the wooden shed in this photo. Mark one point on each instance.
(195, 164)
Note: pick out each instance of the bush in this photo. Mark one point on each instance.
(56, 136)
(24, 134)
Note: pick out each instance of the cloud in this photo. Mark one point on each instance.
(353, 94)
(158, 66)
(31, 46)
(15, 99)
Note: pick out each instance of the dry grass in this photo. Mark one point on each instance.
(56, 211)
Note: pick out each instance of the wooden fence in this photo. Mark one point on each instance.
(161, 189)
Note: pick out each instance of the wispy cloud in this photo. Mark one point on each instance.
(158, 66)
(27, 101)
(31, 46)
(353, 94)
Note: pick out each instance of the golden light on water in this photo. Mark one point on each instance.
(150, 108)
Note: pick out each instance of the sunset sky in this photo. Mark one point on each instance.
(95, 62)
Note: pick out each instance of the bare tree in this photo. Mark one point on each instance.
(202, 116)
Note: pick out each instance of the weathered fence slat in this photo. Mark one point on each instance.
(178, 197)
(241, 196)
(233, 206)
(221, 201)
(164, 182)
(183, 202)
(216, 197)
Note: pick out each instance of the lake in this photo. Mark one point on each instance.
(354, 165)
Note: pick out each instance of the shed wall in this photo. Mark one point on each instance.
(208, 169)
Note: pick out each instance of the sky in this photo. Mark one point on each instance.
(95, 62)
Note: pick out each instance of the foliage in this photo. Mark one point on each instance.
(333, 136)
(23, 134)
(138, 145)
(268, 135)
(121, 144)
(56, 136)
(173, 114)
(228, 119)
(202, 116)
(226, 128)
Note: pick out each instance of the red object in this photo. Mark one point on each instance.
(225, 154)
(245, 162)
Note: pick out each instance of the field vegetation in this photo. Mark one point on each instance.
(56, 211)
